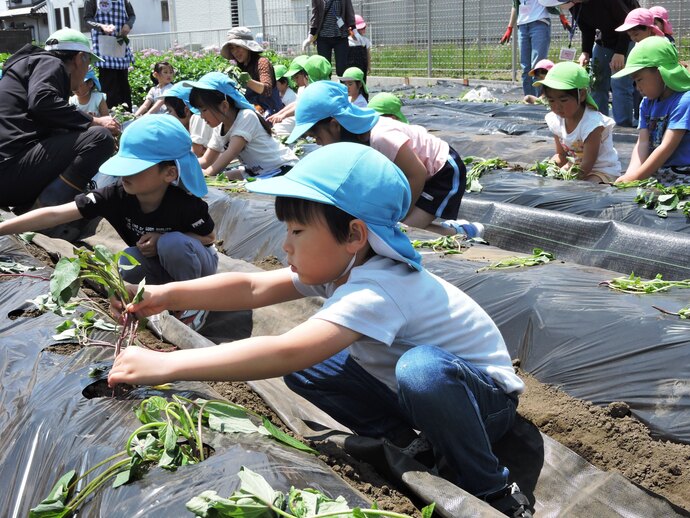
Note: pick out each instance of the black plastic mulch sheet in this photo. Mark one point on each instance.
(49, 426)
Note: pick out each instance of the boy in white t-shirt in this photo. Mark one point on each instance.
(394, 349)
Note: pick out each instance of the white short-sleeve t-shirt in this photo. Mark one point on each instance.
(199, 130)
(573, 143)
(90, 107)
(156, 93)
(262, 153)
(397, 308)
(389, 135)
(289, 96)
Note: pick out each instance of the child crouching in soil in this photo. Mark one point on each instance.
(394, 348)
(156, 208)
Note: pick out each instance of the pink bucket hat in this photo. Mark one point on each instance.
(640, 16)
(662, 14)
(545, 64)
(359, 22)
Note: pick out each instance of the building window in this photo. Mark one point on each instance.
(58, 19)
(67, 21)
(83, 27)
(165, 11)
(234, 13)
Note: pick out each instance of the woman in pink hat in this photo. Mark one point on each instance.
(359, 52)
(662, 22)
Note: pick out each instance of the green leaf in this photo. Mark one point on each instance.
(255, 485)
(428, 511)
(226, 418)
(151, 410)
(139, 295)
(209, 505)
(64, 283)
(281, 436)
(169, 436)
(53, 506)
(122, 478)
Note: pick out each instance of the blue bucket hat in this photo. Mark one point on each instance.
(91, 74)
(360, 181)
(181, 92)
(326, 99)
(153, 139)
(223, 84)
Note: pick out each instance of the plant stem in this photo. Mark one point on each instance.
(25, 275)
(96, 482)
(86, 474)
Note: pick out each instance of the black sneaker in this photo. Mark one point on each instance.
(510, 501)
(420, 450)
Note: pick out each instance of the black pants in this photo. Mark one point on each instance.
(357, 57)
(326, 46)
(74, 155)
(115, 85)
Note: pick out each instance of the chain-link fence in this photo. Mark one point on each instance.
(416, 38)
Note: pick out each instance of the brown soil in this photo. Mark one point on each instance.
(270, 262)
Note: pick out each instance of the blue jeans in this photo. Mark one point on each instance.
(180, 258)
(458, 408)
(621, 88)
(533, 39)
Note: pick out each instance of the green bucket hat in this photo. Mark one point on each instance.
(279, 71)
(355, 74)
(387, 104)
(69, 39)
(318, 68)
(296, 65)
(567, 75)
(657, 52)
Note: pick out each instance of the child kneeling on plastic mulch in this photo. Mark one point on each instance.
(156, 207)
(394, 348)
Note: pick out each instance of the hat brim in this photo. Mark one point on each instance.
(552, 3)
(381, 238)
(119, 165)
(299, 130)
(293, 72)
(250, 45)
(627, 71)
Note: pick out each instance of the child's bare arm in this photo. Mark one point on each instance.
(209, 156)
(143, 108)
(103, 108)
(254, 358)
(39, 219)
(156, 106)
(236, 145)
(657, 158)
(220, 292)
(413, 168)
(591, 150)
(561, 157)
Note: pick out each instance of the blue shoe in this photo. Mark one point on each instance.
(464, 227)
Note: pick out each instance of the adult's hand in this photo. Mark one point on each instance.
(307, 42)
(243, 78)
(108, 28)
(109, 123)
(506, 35)
(617, 62)
(584, 59)
(125, 30)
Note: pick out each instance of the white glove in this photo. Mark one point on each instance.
(306, 43)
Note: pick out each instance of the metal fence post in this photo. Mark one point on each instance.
(428, 39)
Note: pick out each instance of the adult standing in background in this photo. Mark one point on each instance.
(534, 35)
(330, 25)
(110, 22)
(607, 55)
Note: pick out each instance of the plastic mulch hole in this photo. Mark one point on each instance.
(24, 312)
(100, 389)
